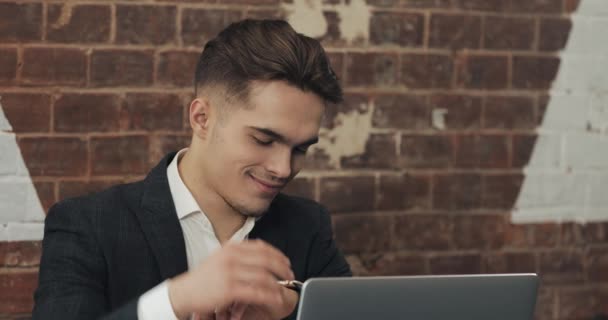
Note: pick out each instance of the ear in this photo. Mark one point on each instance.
(199, 116)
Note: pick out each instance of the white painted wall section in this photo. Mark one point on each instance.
(567, 177)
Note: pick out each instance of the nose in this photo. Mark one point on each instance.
(279, 164)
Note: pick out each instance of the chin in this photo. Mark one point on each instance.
(253, 210)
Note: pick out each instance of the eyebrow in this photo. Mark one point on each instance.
(281, 138)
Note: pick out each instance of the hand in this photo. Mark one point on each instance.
(245, 273)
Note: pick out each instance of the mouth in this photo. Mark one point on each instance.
(266, 187)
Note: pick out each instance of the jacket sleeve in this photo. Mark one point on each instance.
(325, 259)
(72, 277)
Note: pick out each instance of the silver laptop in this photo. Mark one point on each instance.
(467, 297)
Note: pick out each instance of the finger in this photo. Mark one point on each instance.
(237, 312)
(263, 255)
(251, 295)
(222, 315)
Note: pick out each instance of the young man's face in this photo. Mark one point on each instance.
(255, 151)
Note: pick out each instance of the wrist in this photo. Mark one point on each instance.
(177, 299)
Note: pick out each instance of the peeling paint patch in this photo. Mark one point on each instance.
(348, 137)
(306, 16)
(64, 17)
(20, 207)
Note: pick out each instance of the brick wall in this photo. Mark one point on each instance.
(450, 110)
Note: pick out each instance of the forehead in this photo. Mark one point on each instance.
(280, 106)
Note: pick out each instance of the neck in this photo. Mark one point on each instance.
(224, 219)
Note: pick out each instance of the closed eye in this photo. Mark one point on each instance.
(263, 142)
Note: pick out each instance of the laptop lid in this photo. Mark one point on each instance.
(466, 297)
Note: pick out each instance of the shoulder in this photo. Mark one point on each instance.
(108, 202)
(300, 212)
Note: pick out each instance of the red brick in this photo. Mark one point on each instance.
(380, 153)
(596, 233)
(46, 194)
(457, 191)
(423, 232)
(571, 5)
(572, 234)
(17, 291)
(131, 159)
(422, 4)
(501, 190)
(463, 112)
(350, 228)
(426, 151)
(139, 24)
(545, 304)
(523, 144)
(70, 189)
(479, 231)
(20, 22)
(455, 31)
(84, 23)
(201, 25)
(8, 65)
(509, 112)
(545, 234)
(482, 72)
(481, 151)
(394, 264)
(20, 254)
(576, 303)
(87, 113)
(455, 264)
(371, 69)
(27, 112)
(597, 264)
(408, 112)
(509, 33)
(347, 194)
(176, 68)
(403, 192)
(152, 111)
(537, 6)
(264, 14)
(121, 67)
(425, 71)
(333, 36)
(318, 159)
(509, 262)
(534, 72)
(518, 236)
(561, 267)
(554, 33)
(482, 5)
(301, 187)
(54, 66)
(160, 145)
(336, 61)
(403, 29)
(54, 156)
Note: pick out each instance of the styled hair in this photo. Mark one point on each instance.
(265, 50)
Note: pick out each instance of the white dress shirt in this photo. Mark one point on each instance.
(199, 237)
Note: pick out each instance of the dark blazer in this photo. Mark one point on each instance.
(102, 251)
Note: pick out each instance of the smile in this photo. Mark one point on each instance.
(266, 187)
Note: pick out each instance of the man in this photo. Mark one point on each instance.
(207, 233)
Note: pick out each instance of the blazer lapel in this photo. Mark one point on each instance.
(269, 228)
(160, 224)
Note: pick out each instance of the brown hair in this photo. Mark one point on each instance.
(265, 50)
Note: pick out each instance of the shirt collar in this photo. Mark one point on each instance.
(184, 201)
(182, 197)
